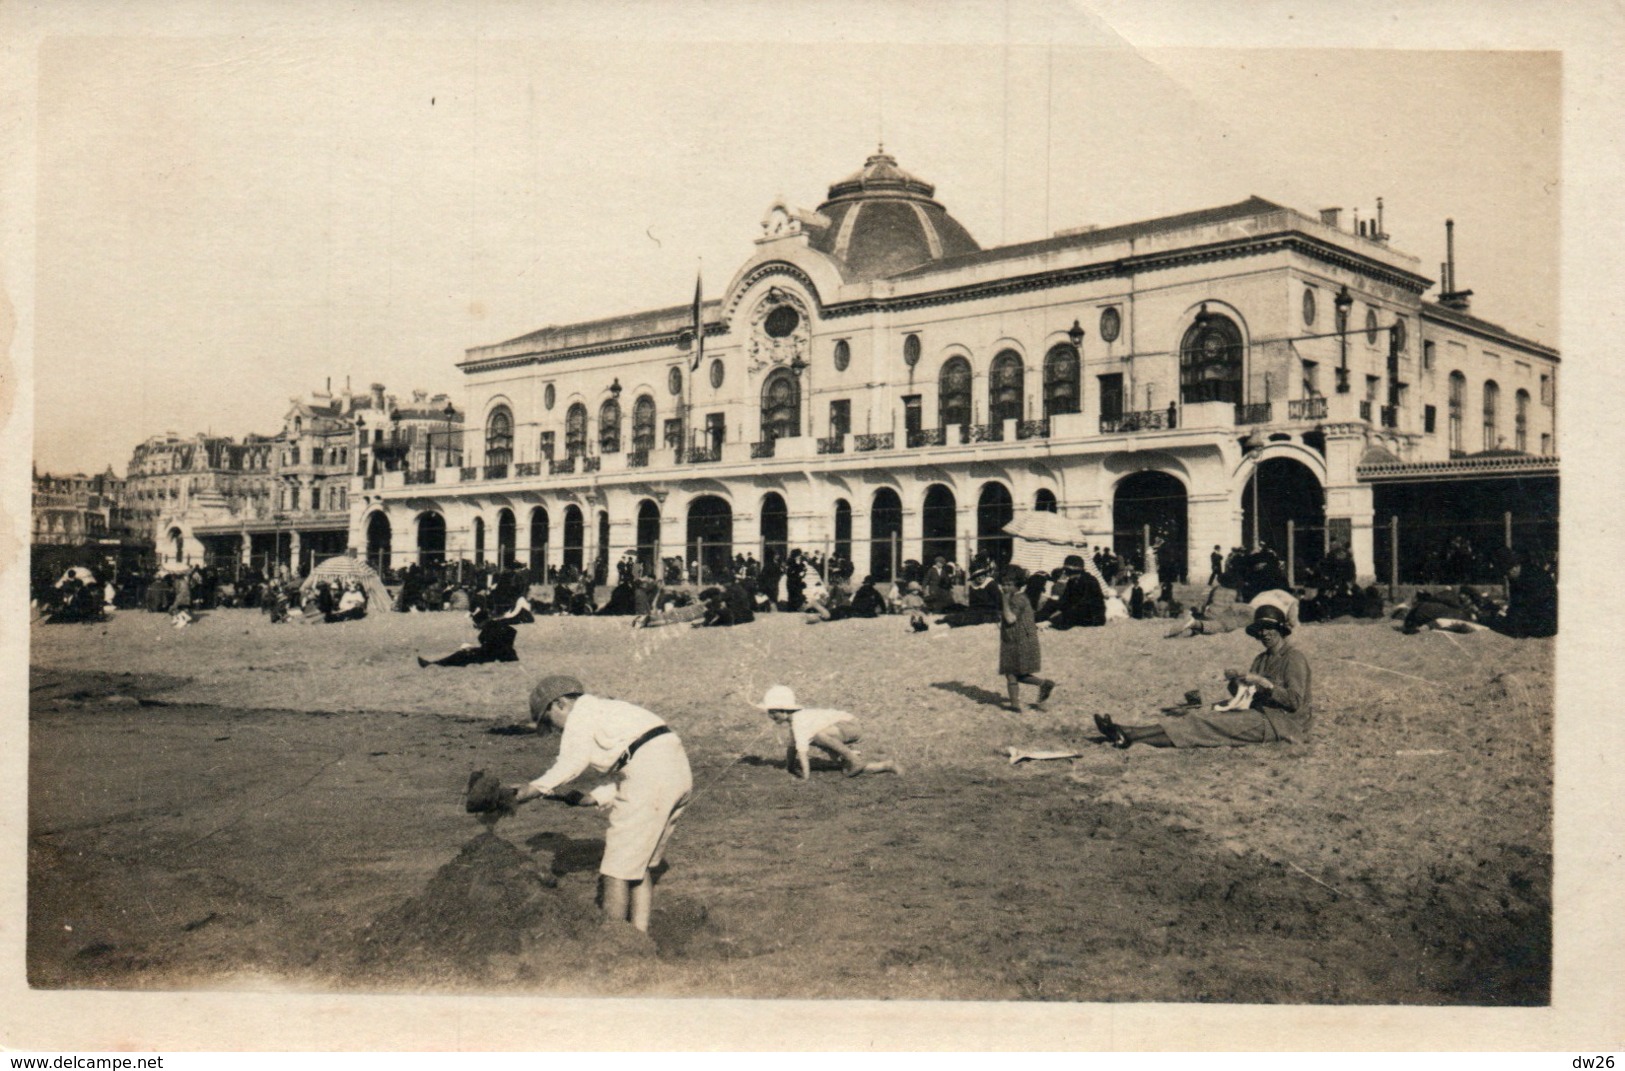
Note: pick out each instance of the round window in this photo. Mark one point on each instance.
(1371, 326)
(911, 350)
(1308, 306)
(781, 321)
(843, 355)
(1111, 323)
(548, 397)
(674, 380)
(716, 374)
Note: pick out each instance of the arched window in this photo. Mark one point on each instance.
(1044, 501)
(609, 427)
(575, 431)
(1005, 382)
(1210, 361)
(953, 392)
(1458, 402)
(1520, 421)
(499, 436)
(1492, 403)
(781, 406)
(643, 424)
(1061, 373)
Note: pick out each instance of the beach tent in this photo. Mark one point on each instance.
(1042, 540)
(342, 567)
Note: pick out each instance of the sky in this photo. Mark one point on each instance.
(226, 220)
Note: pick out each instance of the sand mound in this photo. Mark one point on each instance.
(490, 913)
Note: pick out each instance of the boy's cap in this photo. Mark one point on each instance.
(779, 697)
(550, 688)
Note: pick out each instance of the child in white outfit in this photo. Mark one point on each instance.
(831, 731)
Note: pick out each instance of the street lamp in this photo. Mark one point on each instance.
(1075, 333)
(1344, 302)
(449, 412)
(615, 387)
(1254, 446)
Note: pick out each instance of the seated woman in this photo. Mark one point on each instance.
(495, 644)
(1275, 691)
(982, 598)
(352, 605)
(1082, 600)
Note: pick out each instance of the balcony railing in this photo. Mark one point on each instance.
(561, 466)
(637, 459)
(369, 482)
(469, 472)
(700, 455)
(762, 449)
(927, 437)
(982, 433)
(591, 464)
(1390, 416)
(1306, 409)
(835, 444)
(865, 444)
(496, 472)
(1144, 420)
(528, 468)
(1365, 409)
(419, 476)
(1255, 413)
(1033, 429)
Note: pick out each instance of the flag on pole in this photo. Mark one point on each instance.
(699, 330)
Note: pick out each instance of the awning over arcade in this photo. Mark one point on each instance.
(1491, 465)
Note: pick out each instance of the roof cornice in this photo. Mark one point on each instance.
(1047, 279)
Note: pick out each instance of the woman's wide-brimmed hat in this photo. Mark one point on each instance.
(1268, 617)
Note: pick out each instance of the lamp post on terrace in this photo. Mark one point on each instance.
(1344, 302)
(448, 412)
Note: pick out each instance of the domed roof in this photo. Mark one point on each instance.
(882, 221)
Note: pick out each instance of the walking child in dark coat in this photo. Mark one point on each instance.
(1019, 658)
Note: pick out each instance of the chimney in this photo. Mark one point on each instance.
(1331, 216)
(1381, 235)
(1449, 296)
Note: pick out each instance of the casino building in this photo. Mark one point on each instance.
(874, 382)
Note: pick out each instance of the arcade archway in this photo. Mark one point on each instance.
(378, 541)
(937, 518)
(507, 539)
(648, 537)
(994, 509)
(885, 533)
(711, 535)
(538, 538)
(1283, 489)
(431, 540)
(1151, 504)
(775, 527)
(575, 538)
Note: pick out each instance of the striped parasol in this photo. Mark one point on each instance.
(342, 567)
(1043, 540)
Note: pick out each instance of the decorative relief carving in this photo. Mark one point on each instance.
(780, 331)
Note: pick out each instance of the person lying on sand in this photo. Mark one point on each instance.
(495, 645)
(649, 787)
(831, 731)
(1279, 707)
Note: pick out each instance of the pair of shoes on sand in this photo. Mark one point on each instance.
(1109, 729)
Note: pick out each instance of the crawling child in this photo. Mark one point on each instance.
(831, 731)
